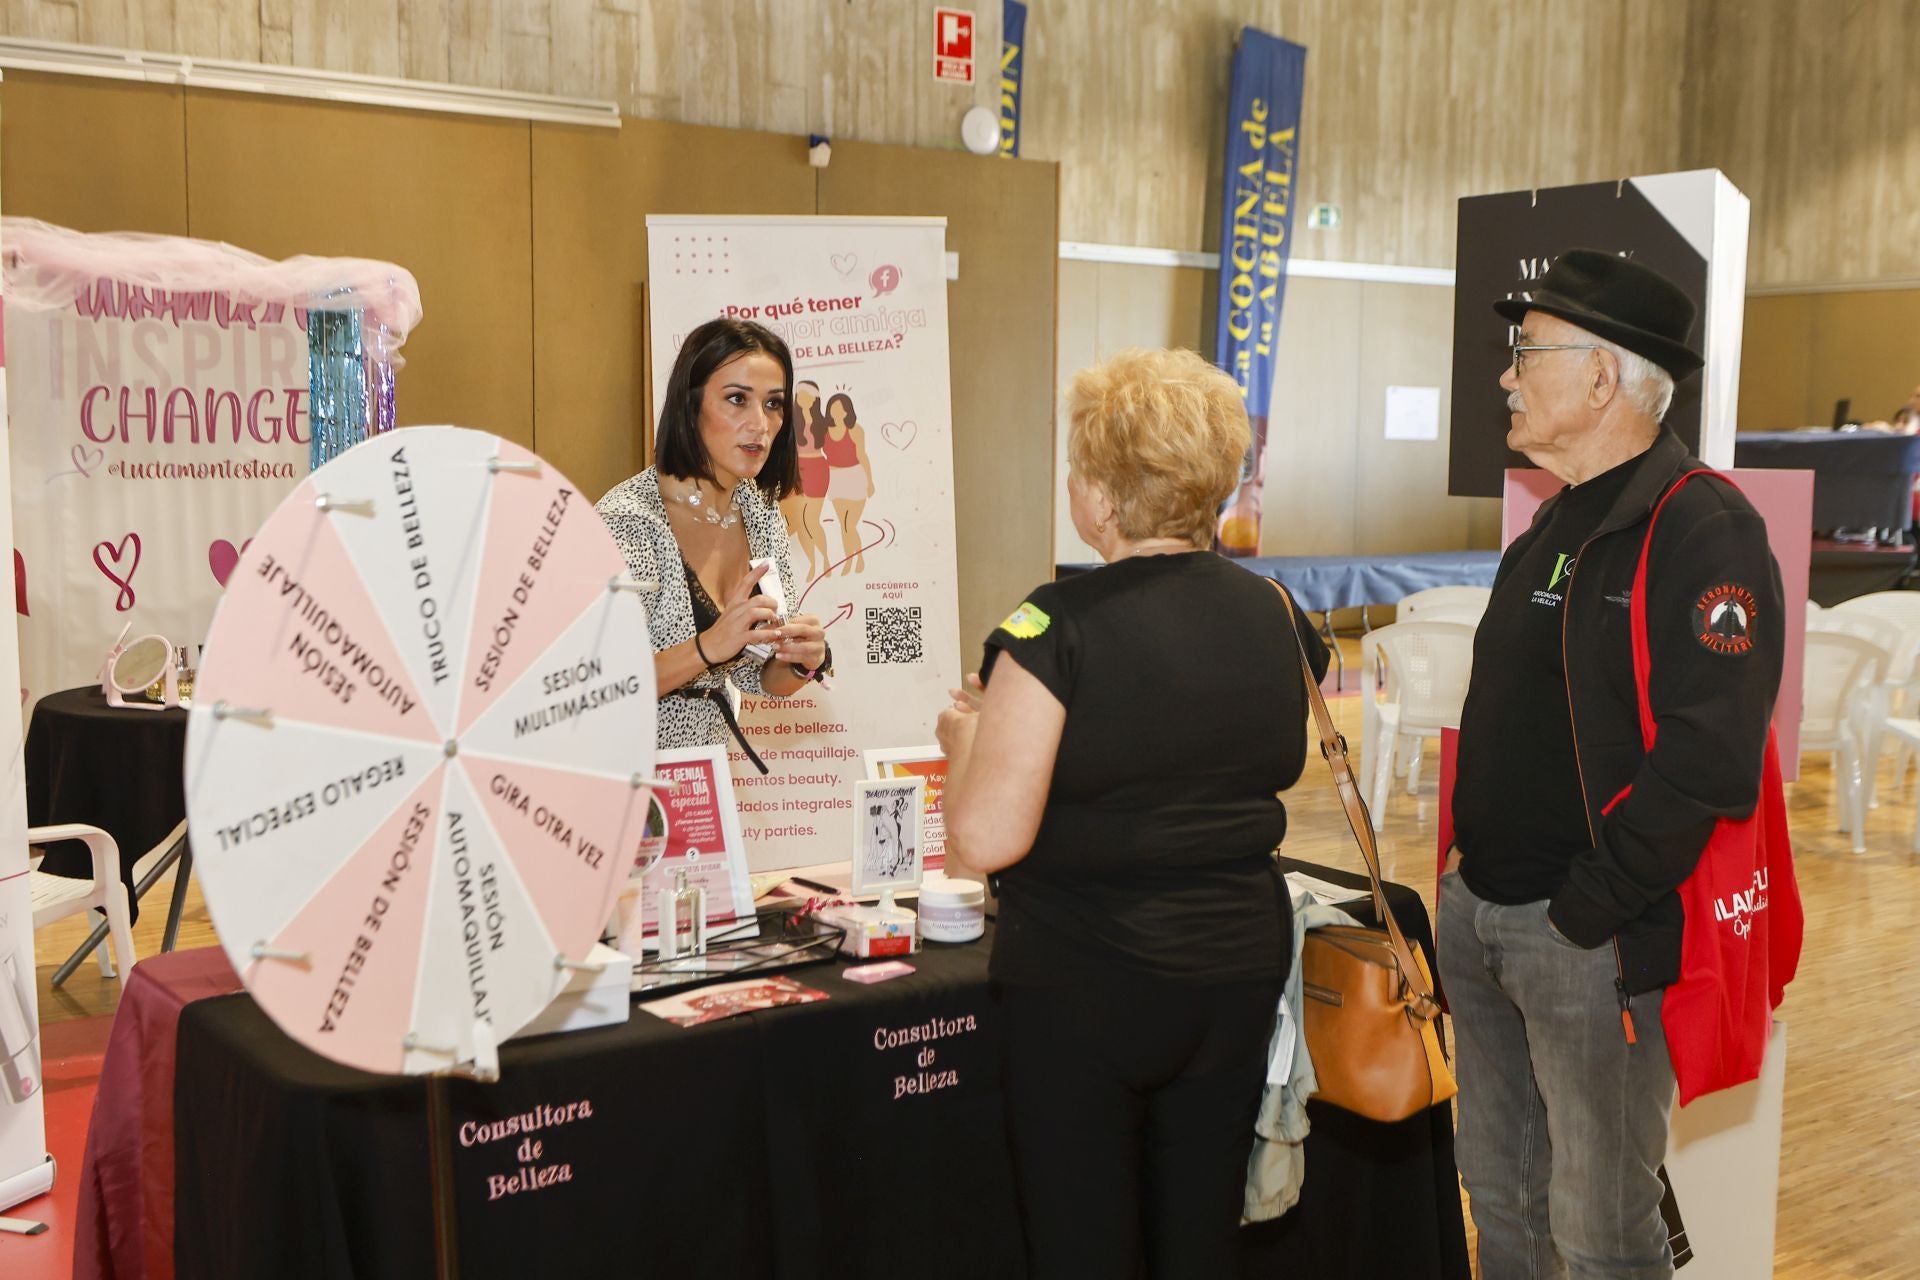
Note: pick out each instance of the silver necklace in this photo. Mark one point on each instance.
(702, 511)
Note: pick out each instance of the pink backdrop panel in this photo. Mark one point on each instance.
(1784, 500)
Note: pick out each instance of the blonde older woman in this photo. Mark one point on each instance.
(1117, 773)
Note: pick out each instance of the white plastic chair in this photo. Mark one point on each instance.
(57, 897)
(1455, 599)
(1428, 664)
(148, 868)
(1899, 692)
(1840, 669)
(1465, 613)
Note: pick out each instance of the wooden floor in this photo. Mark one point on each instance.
(1849, 1204)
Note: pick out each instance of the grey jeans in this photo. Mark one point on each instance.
(1563, 1125)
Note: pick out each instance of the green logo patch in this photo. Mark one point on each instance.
(1026, 622)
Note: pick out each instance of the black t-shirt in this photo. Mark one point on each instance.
(1186, 713)
(1519, 814)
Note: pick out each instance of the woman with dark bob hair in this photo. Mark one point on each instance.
(691, 523)
(1119, 774)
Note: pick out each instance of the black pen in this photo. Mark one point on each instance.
(813, 884)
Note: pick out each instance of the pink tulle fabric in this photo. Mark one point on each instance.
(48, 267)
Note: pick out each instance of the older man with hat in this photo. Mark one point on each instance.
(1559, 924)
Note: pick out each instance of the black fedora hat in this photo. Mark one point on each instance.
(1619, 300)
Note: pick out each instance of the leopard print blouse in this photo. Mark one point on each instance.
(637, 515)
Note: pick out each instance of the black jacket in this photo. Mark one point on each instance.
(1716, 636)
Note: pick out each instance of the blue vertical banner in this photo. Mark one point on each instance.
(1013, 45)
(1256, 233)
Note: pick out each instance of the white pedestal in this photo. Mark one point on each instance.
(36, 1180)
(1723, 1156)
(589, 999)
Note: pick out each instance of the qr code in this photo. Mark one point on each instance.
(893, 634)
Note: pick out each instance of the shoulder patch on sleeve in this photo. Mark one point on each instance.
(1723, 618)
(1026, 622)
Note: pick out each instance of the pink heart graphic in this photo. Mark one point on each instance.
(116, 554)
(221, 557)
(844, 263)
(899, 434)
(85, 459)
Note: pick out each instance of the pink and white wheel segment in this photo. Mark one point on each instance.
(416, 751)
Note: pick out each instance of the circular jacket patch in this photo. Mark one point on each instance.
(1723, 618)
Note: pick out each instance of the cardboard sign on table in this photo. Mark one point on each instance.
(703, 840)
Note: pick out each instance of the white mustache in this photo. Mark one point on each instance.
(1516, 403)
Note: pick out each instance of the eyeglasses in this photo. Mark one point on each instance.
(1520, 352)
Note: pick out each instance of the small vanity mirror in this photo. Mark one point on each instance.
(133, 666)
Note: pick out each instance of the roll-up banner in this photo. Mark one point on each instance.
(862, 303)
(1256, 230)
(25, 1168)
(1013, 61)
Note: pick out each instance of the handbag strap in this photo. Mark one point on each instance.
(1642, 646)
(1642, 649)
(1414, 985)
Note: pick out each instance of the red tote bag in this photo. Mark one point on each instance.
(1744, 924)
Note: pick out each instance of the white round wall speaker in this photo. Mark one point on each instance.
(980, 131)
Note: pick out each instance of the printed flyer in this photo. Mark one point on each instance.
(702, 839)
(749, 995)
(862, 304)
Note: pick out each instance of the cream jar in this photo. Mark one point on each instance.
(952, 910)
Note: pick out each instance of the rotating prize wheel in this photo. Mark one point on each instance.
(415, 757)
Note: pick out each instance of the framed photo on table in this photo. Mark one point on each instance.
(919, 762)
(887, 849)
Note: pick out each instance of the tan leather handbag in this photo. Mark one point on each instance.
(1370, 1015)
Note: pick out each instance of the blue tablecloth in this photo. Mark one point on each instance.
(1861, 479)
(1340, 582)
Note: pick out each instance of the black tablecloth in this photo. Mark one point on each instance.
(117, 769)
(1380, 1200)
(1861, 479)
(782, 1143)
(1838, 572)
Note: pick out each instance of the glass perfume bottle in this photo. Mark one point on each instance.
(683, 922)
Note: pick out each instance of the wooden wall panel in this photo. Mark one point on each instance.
(1312, 437)
(1409, 103)
(861, 69)
(1814, 111)
(592, 192)
(1866, 348)
(1002, 219)
(94, 155)
(1104, 308)
(444, 196)
(1775, 352)
(1335, 485)
(1076, 345)
(1806, 350)
(1399, 501)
